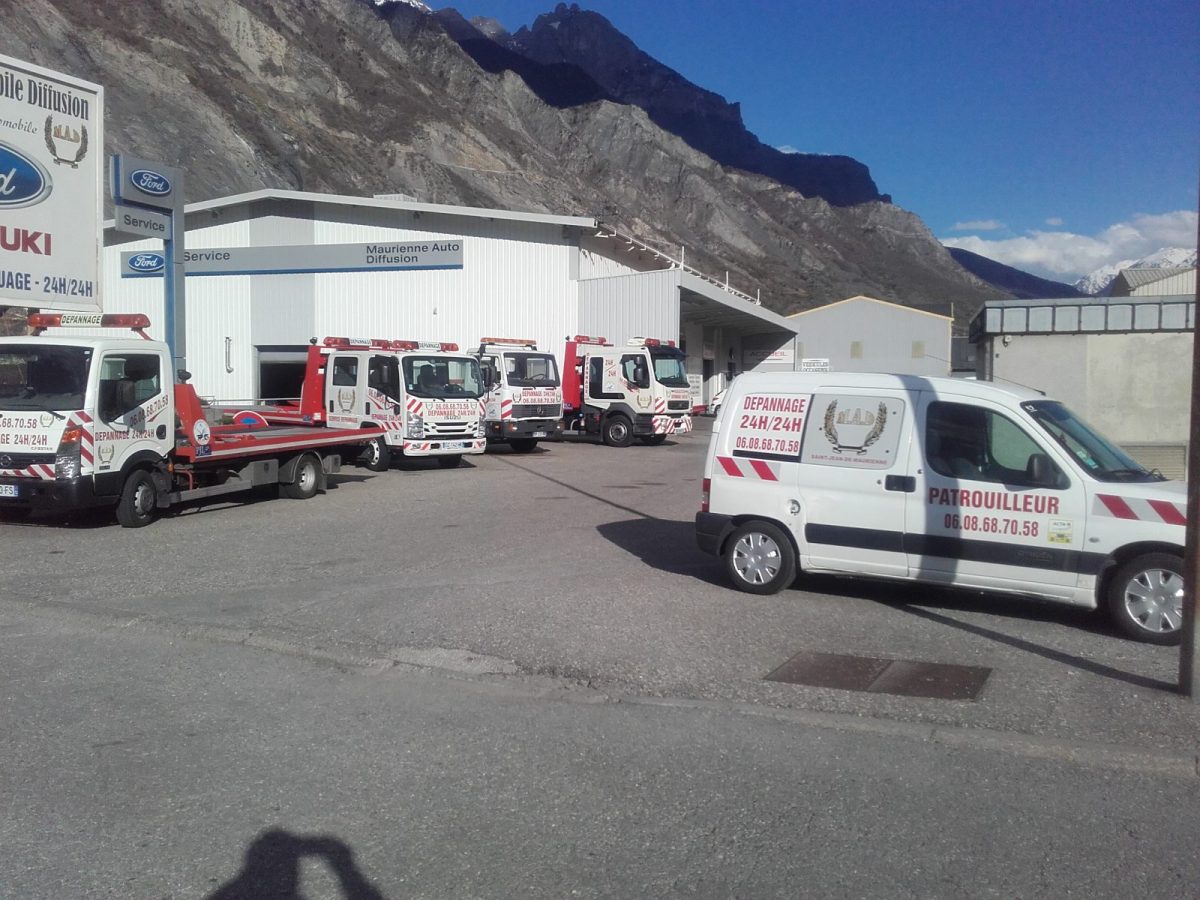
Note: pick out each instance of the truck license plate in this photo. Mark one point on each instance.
(539, 434)
(454, 445)
(8, 490)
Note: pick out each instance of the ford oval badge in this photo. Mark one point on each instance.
(150, 182)
(23, 181)
(147, 262)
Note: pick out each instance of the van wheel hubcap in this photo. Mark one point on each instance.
(1154, 599)
(756, 558)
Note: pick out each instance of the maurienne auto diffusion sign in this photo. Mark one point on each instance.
(290, 259)
(51, 188)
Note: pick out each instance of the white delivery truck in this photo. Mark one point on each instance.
(524, 394)
(939, 480)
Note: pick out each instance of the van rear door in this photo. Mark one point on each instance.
(993, 507)
(854, 481)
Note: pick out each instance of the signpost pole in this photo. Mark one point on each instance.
(1189, 669)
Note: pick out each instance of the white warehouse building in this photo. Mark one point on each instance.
(270, 270)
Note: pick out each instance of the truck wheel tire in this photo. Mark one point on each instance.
(377, 456)
(759, 558)
(1145, 598)
(523, 445)
(652, 440)
(617, 431)
(308, 479)
(450, 462)
(139, 500)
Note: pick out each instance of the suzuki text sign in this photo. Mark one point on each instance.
(51, 188)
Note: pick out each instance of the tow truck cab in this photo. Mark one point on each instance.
(524, 393)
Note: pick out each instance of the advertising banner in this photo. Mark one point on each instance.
(51, 188)
(292, 259)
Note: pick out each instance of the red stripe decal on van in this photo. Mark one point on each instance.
(730, 466)
(1116, 506)
(763, 470)
(1169, 512)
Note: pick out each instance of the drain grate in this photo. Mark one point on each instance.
(908, 678)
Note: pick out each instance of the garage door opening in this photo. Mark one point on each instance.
(280, 373)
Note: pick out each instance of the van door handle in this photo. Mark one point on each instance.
(904, 483)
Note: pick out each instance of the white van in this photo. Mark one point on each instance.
(939, 480)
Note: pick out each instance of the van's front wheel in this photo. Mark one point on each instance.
(760, 559)
(1145, 598)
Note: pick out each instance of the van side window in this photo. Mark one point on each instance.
(345, 371)
(970, 443)
(127, 381)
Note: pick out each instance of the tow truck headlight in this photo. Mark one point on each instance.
(414, 427)
(70, 447)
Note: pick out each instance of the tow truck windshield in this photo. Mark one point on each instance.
(530, 370)
(46, 378)
(443, 378)
(1099, 457)
(669, 370)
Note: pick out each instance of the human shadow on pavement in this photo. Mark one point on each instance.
(664, 545)
(271, 870)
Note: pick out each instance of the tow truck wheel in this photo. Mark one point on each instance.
(652, 440)
(308, 478)
(1145, 598)
(139, 500)
(451, 461)
(760, 559)
(377, 456)
(523, 445)
(617, 431)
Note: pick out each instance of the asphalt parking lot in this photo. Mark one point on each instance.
(578, 562)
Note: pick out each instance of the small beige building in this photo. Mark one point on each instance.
(859, 334)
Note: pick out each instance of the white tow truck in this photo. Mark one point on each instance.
(639, 390)
(524, 393)
(426, 396)
(99, 421)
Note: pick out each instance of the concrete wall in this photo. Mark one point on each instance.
(1134, 388)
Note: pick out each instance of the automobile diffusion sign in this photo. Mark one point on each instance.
(51, 188)
(291, 259)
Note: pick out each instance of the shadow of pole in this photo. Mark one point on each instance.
(1057, 656)
(271, 870)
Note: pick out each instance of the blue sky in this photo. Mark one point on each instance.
(1056, 137)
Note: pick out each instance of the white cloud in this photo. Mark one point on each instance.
(1054, 222)
(977, 225)
(1065, 256)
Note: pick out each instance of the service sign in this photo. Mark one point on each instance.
(51, 188)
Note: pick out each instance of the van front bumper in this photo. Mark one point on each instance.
(711, 531)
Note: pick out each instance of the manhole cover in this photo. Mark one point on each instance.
(908, 678)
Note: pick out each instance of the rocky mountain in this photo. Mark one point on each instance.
(348, 96)
(1098, 281)
(1014, 281)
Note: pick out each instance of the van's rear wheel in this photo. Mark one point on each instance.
(307, 479)
(760, 559)
(1145, 598)
(139, 500)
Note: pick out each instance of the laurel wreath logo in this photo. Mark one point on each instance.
(53, 148)
(831, 432)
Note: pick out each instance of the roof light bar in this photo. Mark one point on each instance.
(584, 339)
(649, 342)
(518, 342)
(39, 322)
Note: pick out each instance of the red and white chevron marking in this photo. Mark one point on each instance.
(1141, 510)
(43, 473)
(749, 468)
(672, 424)
(414, 406)
(660, 405)
(506, 406)
(87, 443)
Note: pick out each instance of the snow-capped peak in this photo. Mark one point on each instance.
(415, 4)
(1097, 282)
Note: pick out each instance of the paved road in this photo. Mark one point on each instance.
(521, 678)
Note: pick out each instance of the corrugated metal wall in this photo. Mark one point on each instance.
(868, 336)
(1180, 283)
(624, 306)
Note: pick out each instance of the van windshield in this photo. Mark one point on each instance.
(443, 377)
(669, 369)
(530, 370)
(1098, 456)
(48, 378)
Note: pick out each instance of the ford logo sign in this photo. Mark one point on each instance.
(23, 181)
(147, 262)
(150, 182)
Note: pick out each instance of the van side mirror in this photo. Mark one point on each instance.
(1042, 471)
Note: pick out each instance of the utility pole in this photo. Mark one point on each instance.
(1189, 671)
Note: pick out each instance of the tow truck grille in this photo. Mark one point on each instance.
(449, 428)
(678, 404)
(536, 411)
(25, 460)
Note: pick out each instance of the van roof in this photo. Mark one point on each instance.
(827, 381)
